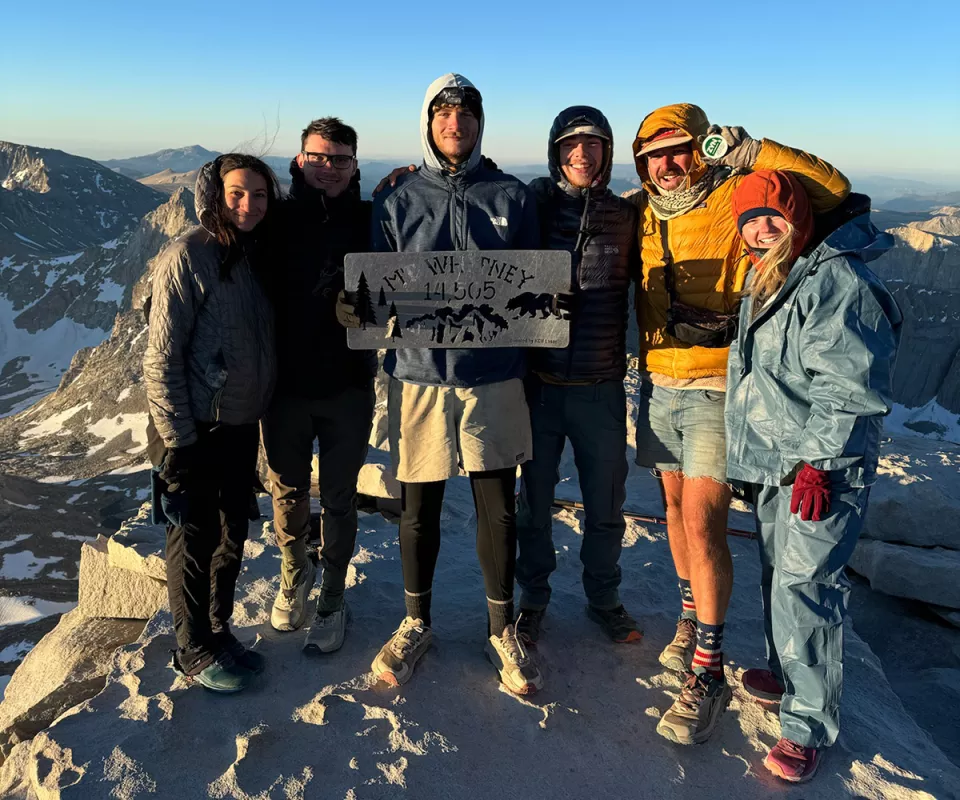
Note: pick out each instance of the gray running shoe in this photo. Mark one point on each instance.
(518, 671)
(395, 662)
(678, 655)
(696, 712)
(290, 606)
(327, 631)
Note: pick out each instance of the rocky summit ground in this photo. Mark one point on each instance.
(319, 727)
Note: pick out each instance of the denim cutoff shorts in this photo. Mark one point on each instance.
(682, 430)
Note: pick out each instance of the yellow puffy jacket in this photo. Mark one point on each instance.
(710, 265)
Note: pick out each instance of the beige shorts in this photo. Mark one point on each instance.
(435, 431)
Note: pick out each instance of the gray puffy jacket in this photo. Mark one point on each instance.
(809, 379)
(210, 354)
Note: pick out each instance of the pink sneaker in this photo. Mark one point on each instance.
(762, 685)
(792, 762)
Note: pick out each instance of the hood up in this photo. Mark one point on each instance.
(766, 191)
(681, 116)
(430, 157)
(205, 192)
(586, 115)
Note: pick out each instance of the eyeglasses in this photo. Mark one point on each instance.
(322, 159)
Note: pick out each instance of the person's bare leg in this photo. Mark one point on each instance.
(704, 522)
(671, 488)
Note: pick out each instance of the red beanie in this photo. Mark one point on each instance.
(772, 192)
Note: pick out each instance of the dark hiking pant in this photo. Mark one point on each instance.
(805, 593)
(204, 551)
(594, 419)
(340, 424)
(493, 495)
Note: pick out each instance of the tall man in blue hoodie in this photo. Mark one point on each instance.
(448, 407)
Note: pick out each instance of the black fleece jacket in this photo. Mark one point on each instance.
(315, 233)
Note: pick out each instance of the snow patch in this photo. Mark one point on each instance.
(72, 537)
(931, 421)
(28, 241)
(24, 609)
(110, 292)
(20, 537)
(110, 428)
(50, 425)
(26, 506)
(123, 395)
(24, 565)
(15, 652)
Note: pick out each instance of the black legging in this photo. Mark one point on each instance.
(493, 496)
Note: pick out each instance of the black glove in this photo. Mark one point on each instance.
(565, 304)
(489, 163)
(177, 466)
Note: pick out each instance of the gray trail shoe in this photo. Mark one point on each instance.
(327, 631)
(518, 671)
(395, 662)
(695, 713)
(290, 606)
(678, 655)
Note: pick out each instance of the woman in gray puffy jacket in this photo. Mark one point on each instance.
(808, 383)
(209, 371)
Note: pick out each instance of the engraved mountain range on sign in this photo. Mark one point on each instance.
(467, 323)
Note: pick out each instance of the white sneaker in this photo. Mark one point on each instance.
(290, 607)
(518, 671)
(326, 633)
(395, 662)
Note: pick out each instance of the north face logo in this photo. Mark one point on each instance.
(611, 250)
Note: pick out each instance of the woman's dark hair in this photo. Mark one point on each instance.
(235, 243)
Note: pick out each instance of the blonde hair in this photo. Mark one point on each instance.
(770, 272)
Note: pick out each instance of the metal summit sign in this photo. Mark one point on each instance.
(473, 298)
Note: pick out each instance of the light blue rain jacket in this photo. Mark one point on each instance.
(809, 378)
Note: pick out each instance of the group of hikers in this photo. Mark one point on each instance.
(766, 353)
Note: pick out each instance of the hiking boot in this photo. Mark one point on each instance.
(395, 662)
(223, 675)
(528, 626)
(290, 606)
(678, 655)
(792, 762)
(248, 659)
(762, 685)
(617, 624)
(327, 630)
(518, 672)
(695, 713)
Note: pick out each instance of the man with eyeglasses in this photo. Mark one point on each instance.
(324, 390)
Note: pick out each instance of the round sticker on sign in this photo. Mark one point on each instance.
(714, 146)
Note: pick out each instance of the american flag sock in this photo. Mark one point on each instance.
(689, 607)
(709, 654)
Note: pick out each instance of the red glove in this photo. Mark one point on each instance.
(811, 494)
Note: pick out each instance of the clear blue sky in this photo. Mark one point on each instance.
(871, 86)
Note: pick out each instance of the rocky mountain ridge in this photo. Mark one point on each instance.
(53, 203)
(923, 273)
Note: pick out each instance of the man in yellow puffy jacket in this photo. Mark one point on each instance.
(693, 271)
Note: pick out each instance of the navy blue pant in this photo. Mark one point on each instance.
(594, 419)
(805, 592)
